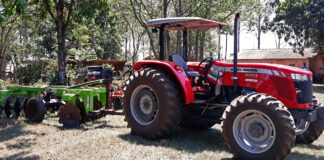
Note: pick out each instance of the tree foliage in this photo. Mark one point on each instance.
(301, 22)
(53, 31)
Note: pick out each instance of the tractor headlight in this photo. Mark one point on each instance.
(300, 77)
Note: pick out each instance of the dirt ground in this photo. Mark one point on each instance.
(109, 138)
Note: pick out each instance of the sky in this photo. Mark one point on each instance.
(249, 41)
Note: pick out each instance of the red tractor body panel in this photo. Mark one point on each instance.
(274, 80)
(175, 72)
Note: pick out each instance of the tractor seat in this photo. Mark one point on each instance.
(179, 60)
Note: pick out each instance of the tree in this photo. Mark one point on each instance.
(10, 10)
(62, 22)
(65, 13)
(301, 21)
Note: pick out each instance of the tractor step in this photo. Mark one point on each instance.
(111, 111)
(199, 101)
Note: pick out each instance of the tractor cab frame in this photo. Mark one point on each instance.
(183, 24)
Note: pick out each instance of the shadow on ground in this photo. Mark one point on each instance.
(13, 130)
(191, 141)
(303, 156)
(21, 155)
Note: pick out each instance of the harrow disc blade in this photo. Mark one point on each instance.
(35, 110)
(69, 116)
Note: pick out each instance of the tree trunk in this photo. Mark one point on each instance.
(202, 45)
(61, 53)
(126, 49)
(238, 36)
(166, 33)
(150, 36)
(2, 69)
(190, 58)
(226, 47)
(259, 32)
(219, 44)
(178, 50)
(196, 48)
(61, 35)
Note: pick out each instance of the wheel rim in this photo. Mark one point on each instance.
(254, 131)
(143, 105)
(301, 126)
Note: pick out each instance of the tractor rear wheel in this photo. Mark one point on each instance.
(35, 110)
(257, 126)
(307, 132)
(152, 104)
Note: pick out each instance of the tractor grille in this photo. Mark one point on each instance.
(283, 87)
(304, 91)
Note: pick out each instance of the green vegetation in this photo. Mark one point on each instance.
(44, 34)
(300, 20)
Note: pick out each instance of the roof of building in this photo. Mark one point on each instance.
(286, 53)
(181, 23)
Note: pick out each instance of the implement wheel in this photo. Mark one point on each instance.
(17, 107)
(69, 116)
(257, 126)
(152, 104)
(7, 107)
(35, 110)
(79, 103)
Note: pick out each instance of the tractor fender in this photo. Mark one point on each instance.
(177, 75)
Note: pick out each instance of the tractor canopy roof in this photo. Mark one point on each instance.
(181, 23)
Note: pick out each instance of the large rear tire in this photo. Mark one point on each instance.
(152, 104)
(257, 126)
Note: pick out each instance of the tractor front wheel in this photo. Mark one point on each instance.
(257, 126)
(307, 132)
(152, 104)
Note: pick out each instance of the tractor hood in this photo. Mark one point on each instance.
(279, 67)
(283, 68)
(256, 67)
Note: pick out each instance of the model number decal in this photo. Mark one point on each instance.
(251, 80)
(246, 70)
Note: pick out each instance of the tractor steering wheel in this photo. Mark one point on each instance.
(208, 65)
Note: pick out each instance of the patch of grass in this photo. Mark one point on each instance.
(109, 138)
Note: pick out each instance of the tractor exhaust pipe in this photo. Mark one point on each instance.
(237, 17)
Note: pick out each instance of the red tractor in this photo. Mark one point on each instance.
(262, 108)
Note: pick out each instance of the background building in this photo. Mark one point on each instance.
(313, 60)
